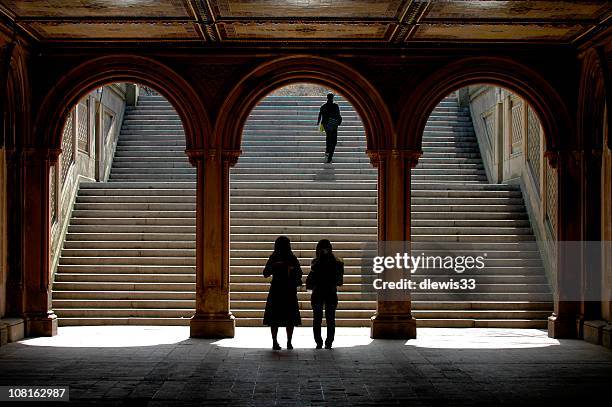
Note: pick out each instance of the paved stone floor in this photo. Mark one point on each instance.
(162, 366)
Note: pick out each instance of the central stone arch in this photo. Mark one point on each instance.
(284, 71)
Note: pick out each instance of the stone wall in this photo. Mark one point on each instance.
(511, 142)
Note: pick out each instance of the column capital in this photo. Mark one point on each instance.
(230, 156)
(552, 157)
(42, 154)
(555, 157)
(378, 156)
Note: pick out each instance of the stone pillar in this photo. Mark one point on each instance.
(39, 318)
(566, 288)
(591, 270)
(14, 251)
(212, 318)
(393, 319)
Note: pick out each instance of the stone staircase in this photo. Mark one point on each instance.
(129, 253)
(456, 211)
(281, 186)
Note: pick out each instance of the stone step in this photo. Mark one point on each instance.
(340, 322)
(157, 192)
(127, 214)
(506, 261)
(524, 270)
(126, 269)
(254, 280)
(127, 261)
(421, 306)
(352, 296)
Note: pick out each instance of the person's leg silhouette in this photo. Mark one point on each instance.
(289, 336)
(331, 140)
(330, 320)
(317, 318)
(275, 345)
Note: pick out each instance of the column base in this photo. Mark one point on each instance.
(41, 324)
(559, 327)
(606, 336)
(593, 331)
(3, 334)
(214, 326)
(393, 327)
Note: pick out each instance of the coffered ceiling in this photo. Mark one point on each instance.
(282, 21)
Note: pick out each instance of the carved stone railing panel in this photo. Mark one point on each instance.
(551, 197)
(489, 125)
(517, 126)
(83, 126)
(533, 145)
(53, 194)
(67, 147)
(108, 121)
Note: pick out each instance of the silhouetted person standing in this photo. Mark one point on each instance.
(326, 273)
(330, 118)
(282, 307)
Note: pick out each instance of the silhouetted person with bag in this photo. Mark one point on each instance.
(326, 273)
(330, 119)
(282, 307)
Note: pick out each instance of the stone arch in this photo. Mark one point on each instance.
(523, 81)
(94, 73)
(15, 96)
(275, 74)
(592, 99)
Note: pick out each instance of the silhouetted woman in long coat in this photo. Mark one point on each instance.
(282, 307)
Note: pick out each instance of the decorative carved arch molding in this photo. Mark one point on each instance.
(15, 92)
(518, 78)
(82, 79)
(277, 73)
(592, 99)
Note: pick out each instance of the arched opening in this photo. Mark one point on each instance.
(283, 185)
(483, 188)
(122, 211)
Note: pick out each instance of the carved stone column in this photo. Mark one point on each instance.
(39, 318)
(212, 318)
(567, 284)
(591, 270)
(394, 319)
